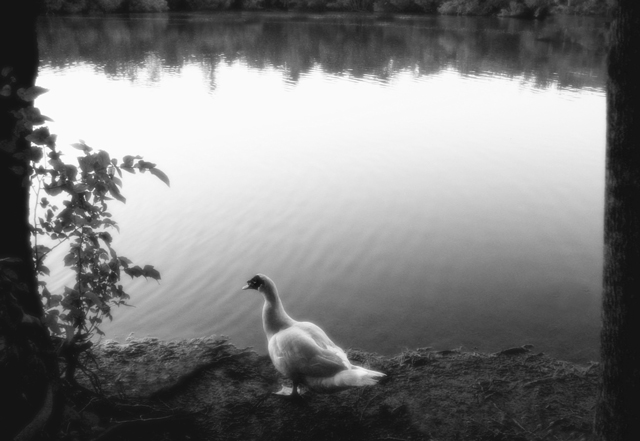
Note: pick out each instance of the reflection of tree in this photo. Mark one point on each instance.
(569, 51)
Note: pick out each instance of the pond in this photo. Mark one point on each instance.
(407, 182)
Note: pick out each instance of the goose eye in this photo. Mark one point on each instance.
(255, 283)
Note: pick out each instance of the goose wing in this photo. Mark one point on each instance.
(322, 340)
(305, 350)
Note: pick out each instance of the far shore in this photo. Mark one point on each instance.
(530, 9)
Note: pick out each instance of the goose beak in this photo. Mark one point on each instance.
(245, 287)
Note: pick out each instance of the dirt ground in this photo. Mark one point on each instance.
(207, 389)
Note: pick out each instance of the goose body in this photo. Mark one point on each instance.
(302, 351)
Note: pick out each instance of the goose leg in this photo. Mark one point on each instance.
(290, 392)
(284, 391)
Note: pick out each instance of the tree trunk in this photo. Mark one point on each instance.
(617, 416)
(28, 365)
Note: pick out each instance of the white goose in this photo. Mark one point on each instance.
(302, 351)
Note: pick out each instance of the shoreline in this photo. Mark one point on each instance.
(227, 392)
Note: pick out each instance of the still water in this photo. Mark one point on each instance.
(412, 182)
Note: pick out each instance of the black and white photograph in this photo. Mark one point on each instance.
(320, 220)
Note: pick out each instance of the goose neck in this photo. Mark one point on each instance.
(274, 317)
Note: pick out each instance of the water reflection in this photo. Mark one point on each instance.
(563, 51)
(432, 181)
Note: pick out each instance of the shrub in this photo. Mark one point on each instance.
(383, 6)
(405, 6)
(177, 5)
(252, 5)
(306, 5)
(428, 6)
(352, 5)
(526, 9)
(147, 5)
(53, 5)
(583, 7)
(197, 5)
(74, 6)
(82, 222)
(105, 5)
(471, 7)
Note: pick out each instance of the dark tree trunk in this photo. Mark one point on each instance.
(617, 416)
(28, 365)
(19, 52)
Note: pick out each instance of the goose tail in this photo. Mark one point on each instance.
(354, 377)
(367, 377)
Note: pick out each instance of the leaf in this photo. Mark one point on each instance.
(39, 136)
(71, 171)
(145, 165)
(105, 236)
(53, 191)
(94, 297)
(31, 93)
(51, 141)
(113, 189)
(160, 174)
(70, 259)
(136, 271)
(81, 146)
(56, 163)
(127, 161)
(51, 320)
(32, 115)
(36, 154)
(103, 159)
(110, 223)
(80, 188)
(149, 271)
(124, 261)
(41, 249)
(6, 90)
(68, 329)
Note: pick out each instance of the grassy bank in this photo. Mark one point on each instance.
(209, 389)
(510, 8)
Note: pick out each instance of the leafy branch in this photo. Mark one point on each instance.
(75, 211)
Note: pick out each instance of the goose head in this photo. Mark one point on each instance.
(260, 283)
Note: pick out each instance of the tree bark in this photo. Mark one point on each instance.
(617, 416)
(28, 364)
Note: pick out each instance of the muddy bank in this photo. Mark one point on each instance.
(209, 389)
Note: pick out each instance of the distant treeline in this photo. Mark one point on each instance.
(563, 51)
(509, 8)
